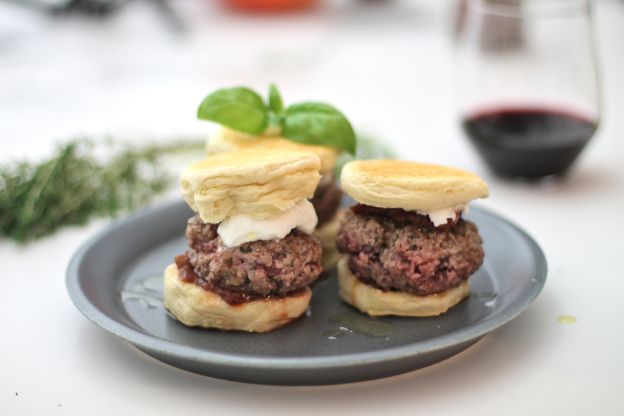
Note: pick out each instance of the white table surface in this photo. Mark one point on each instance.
(390, 71)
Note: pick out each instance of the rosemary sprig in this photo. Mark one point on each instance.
(75, 185)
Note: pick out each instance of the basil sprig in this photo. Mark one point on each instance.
(242, 109)
(275, 100)
(239, 108)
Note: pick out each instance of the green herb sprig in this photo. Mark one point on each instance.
(74, 185)
(242, 109)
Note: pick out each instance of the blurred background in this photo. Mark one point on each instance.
(406, 72)
(140, 68)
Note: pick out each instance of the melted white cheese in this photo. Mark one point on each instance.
(440, 216)
(239, 229)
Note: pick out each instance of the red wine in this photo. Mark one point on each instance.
(529, 142)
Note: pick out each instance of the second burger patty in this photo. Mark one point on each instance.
(326, 199)
(262, 268)
(399, 255)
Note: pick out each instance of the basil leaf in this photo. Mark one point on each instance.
(319, 124)
(238, 108)
(275, 100)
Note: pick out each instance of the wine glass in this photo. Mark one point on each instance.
(527, 83)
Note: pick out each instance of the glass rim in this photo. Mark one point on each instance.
(531, 8)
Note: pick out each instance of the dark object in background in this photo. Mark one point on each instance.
(104, 8)
(88, 7)
(528, 84)
(527, 142)
(93, 7)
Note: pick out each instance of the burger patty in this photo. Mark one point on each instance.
(404, 256)
(261, 268)
(401, 216)
(326, 199)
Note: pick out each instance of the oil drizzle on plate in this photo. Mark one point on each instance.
(148, 291)
(566, 319)
(345, 323)
(335, 333)
(488, 298)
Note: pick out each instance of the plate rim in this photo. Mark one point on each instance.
(145, 340)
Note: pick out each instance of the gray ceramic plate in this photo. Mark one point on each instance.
(115, 280)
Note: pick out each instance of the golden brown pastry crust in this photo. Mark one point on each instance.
(194, 306)
(260, 183)
(376, 302)
(227, 140)
(410, 185)
(327, 236)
